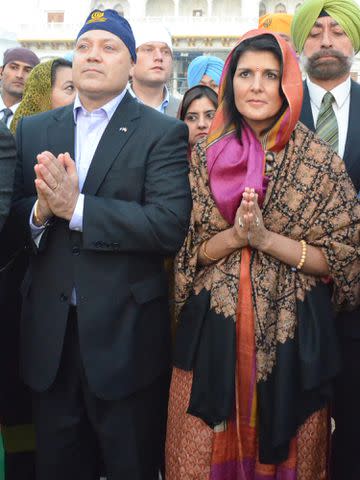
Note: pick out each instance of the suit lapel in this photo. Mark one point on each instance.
(61, 133)
(352, 144)
(306, 116)
(118, 132)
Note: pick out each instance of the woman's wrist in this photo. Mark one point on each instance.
(233, 241)
(267, 241)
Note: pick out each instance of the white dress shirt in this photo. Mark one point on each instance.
(341, 107)
(12, 108)
(89, 128)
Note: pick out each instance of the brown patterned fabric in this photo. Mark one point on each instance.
(189, 441)
(310, 197)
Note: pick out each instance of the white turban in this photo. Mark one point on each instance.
(145, 33)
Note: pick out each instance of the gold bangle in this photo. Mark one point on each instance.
(303, 255)
(206, 254)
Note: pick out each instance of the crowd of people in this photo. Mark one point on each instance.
(180, 279)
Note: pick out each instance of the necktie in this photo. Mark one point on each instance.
(6, 114)
(327, 126)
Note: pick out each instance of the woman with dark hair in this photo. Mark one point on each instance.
(275, 215)
(49, 86)
(197, 110)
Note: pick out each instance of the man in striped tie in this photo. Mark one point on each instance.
(326, 34)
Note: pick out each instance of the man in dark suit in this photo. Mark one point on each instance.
(15, 410)
(95, 336)
(7, 169)
(327, 46)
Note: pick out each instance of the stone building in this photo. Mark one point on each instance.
(197, 26)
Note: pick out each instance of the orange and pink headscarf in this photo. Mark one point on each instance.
(234, 164)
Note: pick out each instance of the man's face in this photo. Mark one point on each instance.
(328, 51)
(153, 65)
(101, 65)
(14, 76)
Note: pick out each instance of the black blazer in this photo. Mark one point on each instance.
(15, 405)
(348, 322)
(136, 211)
(352, 146)
(7, 170)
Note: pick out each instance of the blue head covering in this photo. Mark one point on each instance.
(112, 22)
(69, 56)
(204, 65)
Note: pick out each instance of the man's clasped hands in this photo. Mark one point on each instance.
(57, 186)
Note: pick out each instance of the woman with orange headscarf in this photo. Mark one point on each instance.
(274, 216)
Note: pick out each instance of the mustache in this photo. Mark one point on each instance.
(325, 53)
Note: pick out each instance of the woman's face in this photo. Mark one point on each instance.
(256, 89)
(63, 91)
(198, 118)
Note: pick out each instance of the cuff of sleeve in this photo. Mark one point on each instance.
(35, 230)
(76, 222)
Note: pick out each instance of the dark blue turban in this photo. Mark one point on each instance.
(112, 22)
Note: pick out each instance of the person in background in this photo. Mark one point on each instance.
(17, 65)
(326, 34)
(49, 86)
(205, 70)
(274, 212)
(7, 170)
(153, 68)
(197, 110)
(278, 23)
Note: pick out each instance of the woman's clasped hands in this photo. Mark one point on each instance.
(249, 227)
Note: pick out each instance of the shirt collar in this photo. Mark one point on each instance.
(12, 108)
(163, 105)
(109, 108)
(340, 92)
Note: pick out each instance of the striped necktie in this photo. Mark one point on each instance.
(327, 126)
(6, 114)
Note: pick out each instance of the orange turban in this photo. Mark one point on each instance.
(276, 22)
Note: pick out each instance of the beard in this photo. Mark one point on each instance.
(330, 69)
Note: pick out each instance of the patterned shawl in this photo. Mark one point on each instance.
(309, 196)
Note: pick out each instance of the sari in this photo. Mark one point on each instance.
(256, 349)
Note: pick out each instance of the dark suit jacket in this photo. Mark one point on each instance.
(136, 211)
(14, 403)
(7, 169)
(348, 322)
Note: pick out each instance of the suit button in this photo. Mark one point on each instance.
(63, 297)
(76, 250)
